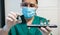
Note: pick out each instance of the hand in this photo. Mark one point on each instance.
(1, 31)
(45, 31)
(11, 20)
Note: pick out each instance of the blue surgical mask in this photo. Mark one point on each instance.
(28, 12)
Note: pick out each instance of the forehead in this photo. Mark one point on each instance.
(30, 1)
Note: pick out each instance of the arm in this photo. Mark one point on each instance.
(2, 32)
(10, 21)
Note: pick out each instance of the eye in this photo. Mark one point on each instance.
(25, 4)
(32, 5)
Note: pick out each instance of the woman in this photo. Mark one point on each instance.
(29, 17)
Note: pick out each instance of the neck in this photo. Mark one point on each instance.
(29, 21)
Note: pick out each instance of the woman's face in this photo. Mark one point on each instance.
(29, 8)
(29, 3)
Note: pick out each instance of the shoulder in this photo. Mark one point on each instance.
(14, 29)
(41, 19)
(16, 26)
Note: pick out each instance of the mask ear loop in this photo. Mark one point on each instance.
(36, 10)
(36, 13)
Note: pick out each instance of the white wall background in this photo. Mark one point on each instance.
(47, 9)
(59, 16)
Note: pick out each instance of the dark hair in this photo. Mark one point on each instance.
(36, 1)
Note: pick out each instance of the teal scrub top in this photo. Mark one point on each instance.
(22, 29)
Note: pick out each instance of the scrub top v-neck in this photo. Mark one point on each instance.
(22, 29)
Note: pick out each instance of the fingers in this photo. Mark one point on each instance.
(12, 17)
(9, 19)
(44, 30)
(14, 14)
(48, 29)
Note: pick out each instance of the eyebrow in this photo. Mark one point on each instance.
(29, 2)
